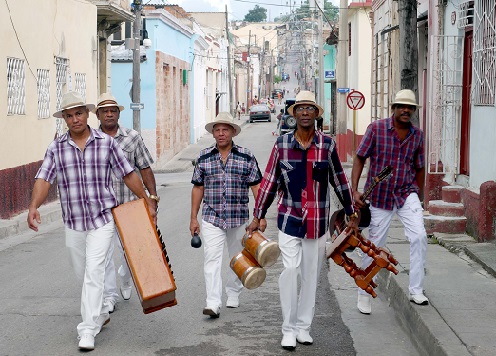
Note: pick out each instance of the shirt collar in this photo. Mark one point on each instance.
(390, 125)
(317, 139)
(234, 148)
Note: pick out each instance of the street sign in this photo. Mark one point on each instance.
(136, 106)
(343, 90)
(330, 74)
(355, 100)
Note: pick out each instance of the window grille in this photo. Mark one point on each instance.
(466, 14)
(62, 68)
(43, 87)
(80, 85)
(484, 53)
(16, 86)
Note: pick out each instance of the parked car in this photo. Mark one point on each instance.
(288, 122)
(275, 91)
(260, 112)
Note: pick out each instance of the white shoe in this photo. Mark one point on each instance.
(304, 338)
(103, 319)
(109, 303)
(288, 342)
(364, 304)
(232, 302)
(419, 299)
(126, 289)
(213, 312)
(87, 342)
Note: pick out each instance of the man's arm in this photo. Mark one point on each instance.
(149, 182)
(196, 199)
(133, 182)
(420, 178)
(356, 172)
(263, 223)
(40, 193)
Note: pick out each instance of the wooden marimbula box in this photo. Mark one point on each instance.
(145, 255)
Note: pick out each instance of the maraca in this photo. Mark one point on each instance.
(196, 241)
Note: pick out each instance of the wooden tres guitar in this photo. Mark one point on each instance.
(338, 219)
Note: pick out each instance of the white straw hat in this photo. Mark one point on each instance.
(223, 118)
(305, 97)
(72, 99)
(405, 96)
(106, 100)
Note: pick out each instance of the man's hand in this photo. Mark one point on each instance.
(254, 225)
(152, 208)
(263, 225)
(357, 197)
(194, 226)
(353, 224)
(34, 215)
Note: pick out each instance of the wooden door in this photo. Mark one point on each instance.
(467, 86)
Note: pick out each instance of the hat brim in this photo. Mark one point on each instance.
(58, 114)
(210, 126)
(291, 108)
(406, 103)
(106, 106)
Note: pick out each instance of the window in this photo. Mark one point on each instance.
(484, 55)
(62, 68)
(80, 85)
(16, 86)
(43, 87)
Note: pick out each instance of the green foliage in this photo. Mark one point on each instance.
(277, 78)
(330, 10)
(257, 14)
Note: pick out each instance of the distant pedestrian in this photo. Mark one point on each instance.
(83, 161)
(255, 100)
(397, 143)
(279, 118)
(279, 97)
(320, 123)
(222, 178)
(238, 110)
(243, 109)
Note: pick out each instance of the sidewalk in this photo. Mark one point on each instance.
(460, 281)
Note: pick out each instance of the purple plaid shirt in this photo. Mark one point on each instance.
(84, 178)
(302, 179)
(382, 145)
(225, 196)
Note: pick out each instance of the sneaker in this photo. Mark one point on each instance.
(103, 319)
(232, 302)
(419, 299)
(213, 312)
(109, 304)
(304, 338)
(288, 342)
(364, 304)
(86, 342)
(126, 289)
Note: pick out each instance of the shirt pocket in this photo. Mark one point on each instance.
(320, 171)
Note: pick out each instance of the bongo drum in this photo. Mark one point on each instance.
(265, 251)
(248, 270)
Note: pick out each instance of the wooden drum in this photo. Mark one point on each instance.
(248, 270)
(265, 251)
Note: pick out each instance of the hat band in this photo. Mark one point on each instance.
(108, 102)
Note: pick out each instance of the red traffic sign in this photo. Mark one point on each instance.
(355, 100)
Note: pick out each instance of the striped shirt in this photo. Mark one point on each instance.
(382, 144)
(225, 196)
(84, 178)
(131, 142)
(302, 180)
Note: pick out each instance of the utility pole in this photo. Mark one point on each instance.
(248, 88)
(136, 64)
(408, 61)
(229, 73)
(320, 41)
(342, 68)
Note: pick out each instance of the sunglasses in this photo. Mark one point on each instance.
(307, 108)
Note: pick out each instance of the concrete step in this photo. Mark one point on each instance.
(451, 193)
(443, 208)
(446, 224)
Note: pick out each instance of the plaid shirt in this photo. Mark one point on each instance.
(225, 197)
(382, 144)
(84, 178)
(138, 156)
(301, 178)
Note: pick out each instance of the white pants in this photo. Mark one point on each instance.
(412, 218)
(88, 251)
(110, 291)
(302, 257)
(214, 239)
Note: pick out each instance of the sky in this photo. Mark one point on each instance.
(238, 8)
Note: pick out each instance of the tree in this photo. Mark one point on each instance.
(257, 14)
(330, 10)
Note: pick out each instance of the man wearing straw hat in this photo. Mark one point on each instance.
(302, 167)
(82, 161)
(108, 112)
(397, 143)
(222, 177)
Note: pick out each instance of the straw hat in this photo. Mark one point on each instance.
(223, 118)
(106, 100)
(305, 97)
(405, 96)
(70, 100)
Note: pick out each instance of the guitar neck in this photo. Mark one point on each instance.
(370, 188)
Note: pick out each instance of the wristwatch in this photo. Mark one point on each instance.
(154, 197)
(353, 216)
